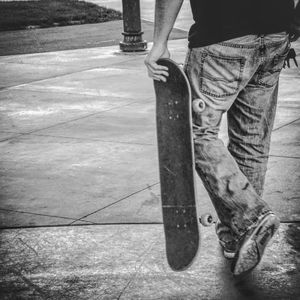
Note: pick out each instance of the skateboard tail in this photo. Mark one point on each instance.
(182, 238)
(185, 262)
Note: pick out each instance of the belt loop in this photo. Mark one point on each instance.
(262, 46)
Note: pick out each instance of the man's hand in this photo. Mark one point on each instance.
(294, 36)
(166, 12)
(156, 71)
(295, 30)
(291, 55)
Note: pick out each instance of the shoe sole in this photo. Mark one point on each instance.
(228, 255)
(224, 230)
(251, 252)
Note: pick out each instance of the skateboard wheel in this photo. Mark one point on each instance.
(198, 105)
(206, 220)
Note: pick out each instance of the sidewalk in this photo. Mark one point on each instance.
(78, 147)
(80, 200)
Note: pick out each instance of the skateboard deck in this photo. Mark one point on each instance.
(176, 166)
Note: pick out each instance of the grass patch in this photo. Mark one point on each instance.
(17, 15)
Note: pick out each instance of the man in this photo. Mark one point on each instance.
(237, 49)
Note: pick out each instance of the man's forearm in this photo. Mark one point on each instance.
(297, 15)
(295, 23)
(166, 12)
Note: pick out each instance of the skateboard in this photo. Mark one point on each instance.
(176, 166)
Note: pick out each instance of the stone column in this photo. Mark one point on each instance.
(133, 40)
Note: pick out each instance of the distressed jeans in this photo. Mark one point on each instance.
(240, 77)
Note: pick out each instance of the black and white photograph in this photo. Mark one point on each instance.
(150, 149)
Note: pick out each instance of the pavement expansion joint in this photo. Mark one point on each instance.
(8, 131)
(287, 124)
(83, 224)
(40, 80)
(115, 202)
(91, 139)
(37, 214)
(71, 120)
(28, 88)
(89, 224)
(10, 138)
(139, 263)
(284, 156)
(18, 86)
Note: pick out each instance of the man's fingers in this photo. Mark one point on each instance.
(155, 66)
(160, 78)
(158, 67)
(158, 70)
(157, 76)
(155, 70)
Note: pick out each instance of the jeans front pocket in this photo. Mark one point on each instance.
(220, 76)
(267, 75)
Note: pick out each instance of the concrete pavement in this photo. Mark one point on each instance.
(80, 200)
(80, 190)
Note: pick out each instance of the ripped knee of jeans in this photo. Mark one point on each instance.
(235, 186)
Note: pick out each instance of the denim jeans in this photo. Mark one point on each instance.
(240, 77)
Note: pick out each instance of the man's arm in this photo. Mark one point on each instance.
(166, 12)
(295, 26)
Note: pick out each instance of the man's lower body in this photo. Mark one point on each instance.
(238, 77)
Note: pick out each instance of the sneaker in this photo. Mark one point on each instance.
(227, 241)
(254, 244)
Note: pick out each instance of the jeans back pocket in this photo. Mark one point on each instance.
(220, 76)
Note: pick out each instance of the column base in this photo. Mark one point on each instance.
(133, 42)
(133, 47)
